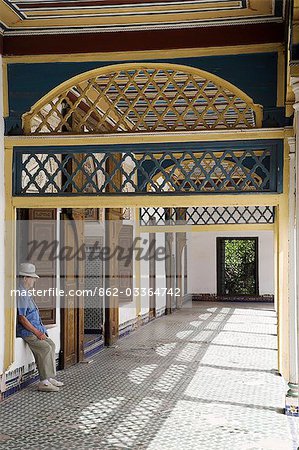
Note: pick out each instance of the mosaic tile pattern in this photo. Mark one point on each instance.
(202, 378)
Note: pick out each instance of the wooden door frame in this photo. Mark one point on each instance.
(113, 217)
(79, 309)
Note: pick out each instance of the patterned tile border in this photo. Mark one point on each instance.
(93, 346)
(224, 298)
(292, 406)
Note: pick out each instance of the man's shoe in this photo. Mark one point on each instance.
(47, 387)
(56, 383)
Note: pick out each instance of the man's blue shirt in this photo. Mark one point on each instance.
(27, 307)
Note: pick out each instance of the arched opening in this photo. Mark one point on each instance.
(134, 98)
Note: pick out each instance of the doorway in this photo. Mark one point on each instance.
(237, 266)
(93, 304)
(83, 230)
(71, 281)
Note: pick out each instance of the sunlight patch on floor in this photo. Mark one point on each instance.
(170, 378)
(98, 412)
(213, 426)
(165, 349)
(138, 375)
(188, 353)
(133, 424)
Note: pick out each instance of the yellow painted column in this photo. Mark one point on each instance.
(292, 398)
(294, 402)
(293, 379)
(10, 270)
(137, 266)
(275, 252)
(282, 292)
(282, 218)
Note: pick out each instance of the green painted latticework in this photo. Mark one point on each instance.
(148, 169)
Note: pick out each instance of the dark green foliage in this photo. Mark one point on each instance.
(239, 277)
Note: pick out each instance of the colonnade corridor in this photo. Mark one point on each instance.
(204, 377)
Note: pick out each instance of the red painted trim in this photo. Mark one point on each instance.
(143, 40)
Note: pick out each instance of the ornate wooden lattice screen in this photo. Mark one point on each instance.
(142, 98)
(207, 215)
(45, 172)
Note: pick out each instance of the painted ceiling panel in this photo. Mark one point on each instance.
(134, 14)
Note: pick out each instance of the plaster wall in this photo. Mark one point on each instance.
(23, 355)
(160, 273)
(202, 260)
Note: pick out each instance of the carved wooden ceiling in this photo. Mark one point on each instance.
(48, 16)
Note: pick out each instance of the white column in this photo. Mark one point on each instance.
(293, 382)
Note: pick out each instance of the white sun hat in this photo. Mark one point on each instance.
(28, 270)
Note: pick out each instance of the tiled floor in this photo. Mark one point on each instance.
(202, 378)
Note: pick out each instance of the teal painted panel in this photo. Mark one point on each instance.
(260, 162)
(255, 74)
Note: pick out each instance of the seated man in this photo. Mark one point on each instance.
(32, 330)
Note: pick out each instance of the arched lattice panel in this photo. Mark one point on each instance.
(142, 98)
